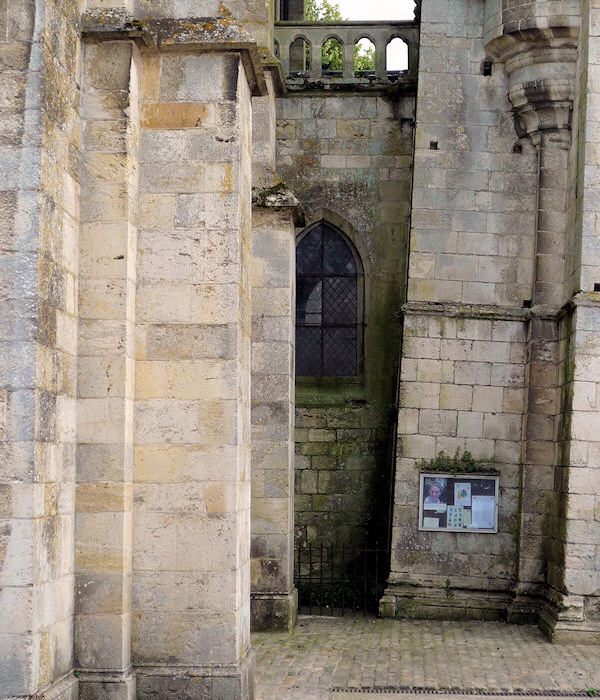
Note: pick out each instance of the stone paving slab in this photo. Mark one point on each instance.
(323, 654)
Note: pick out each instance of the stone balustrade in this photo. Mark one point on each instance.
(315, 34)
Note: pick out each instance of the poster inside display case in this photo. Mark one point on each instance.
(458, 502)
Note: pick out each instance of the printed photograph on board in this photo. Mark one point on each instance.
(435, 490)
(465, 503)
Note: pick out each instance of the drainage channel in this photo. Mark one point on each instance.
(470, 694)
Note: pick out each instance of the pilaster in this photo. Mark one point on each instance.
(273, 596)
(104, 518)
(191, 561)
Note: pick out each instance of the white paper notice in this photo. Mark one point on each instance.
(462, 494)
(431, 522)
(483, 512)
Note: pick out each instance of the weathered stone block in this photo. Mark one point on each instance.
(437, 422)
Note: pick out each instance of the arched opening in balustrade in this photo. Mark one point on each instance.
(396, 56)
(276, 50)
(332, 56)
(364, 57)
(300, 55)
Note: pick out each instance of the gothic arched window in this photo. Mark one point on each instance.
(328, 305)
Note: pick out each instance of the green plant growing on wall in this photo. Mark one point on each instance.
(333, 59)
(406, 609)
(449, 591)
(463, 463)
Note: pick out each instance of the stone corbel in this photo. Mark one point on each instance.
(541, 63)
(272, 193)
(269, 191)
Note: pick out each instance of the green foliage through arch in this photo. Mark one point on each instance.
(332, 56)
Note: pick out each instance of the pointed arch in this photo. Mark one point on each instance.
(329, 303)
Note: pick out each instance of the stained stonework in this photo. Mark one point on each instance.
(153, 176)
(192, 394)
(273, 594)
(348, 160)
(495, 241)
(40, 138)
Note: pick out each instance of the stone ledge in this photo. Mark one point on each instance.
(273, 65)
(429, 603)
(483, 311)
(403, 85)
(64, 689)
(406, 693)
(501, 313)
(106, 685)
(591, 299)
(270, 192)
(220, 680)
(201, 34)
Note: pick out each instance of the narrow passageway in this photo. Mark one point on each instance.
(330, 654)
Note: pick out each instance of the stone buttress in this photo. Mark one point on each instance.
(125, 385)
(501, 313)
(275, 215)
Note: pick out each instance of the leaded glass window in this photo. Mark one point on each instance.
(328, 300)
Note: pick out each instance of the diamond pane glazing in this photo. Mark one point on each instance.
(339, 352)
(326, 306)
(339, 302)
(337, 256)
(309, 253)
(309, 300)
(308, 352)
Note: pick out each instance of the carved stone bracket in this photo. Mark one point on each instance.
(541, 63)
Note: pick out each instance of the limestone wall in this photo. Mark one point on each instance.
(347, 157)
(273, 341)
(541, 436)
(125, 358)
(107, 265)
(39, 189)
(464, 357)
(191, 573)
(572, 612)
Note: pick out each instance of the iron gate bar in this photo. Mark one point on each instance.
(336, 581)
(321, 580)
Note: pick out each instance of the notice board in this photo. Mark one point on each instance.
(458, 502)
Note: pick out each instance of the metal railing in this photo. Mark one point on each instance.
(339, 581)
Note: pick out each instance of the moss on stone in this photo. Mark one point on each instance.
(463, 463)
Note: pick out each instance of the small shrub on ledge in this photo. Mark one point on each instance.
(463, 463)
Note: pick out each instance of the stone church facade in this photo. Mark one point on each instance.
(158, 164)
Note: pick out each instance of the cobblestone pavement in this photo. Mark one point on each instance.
(325, 653)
